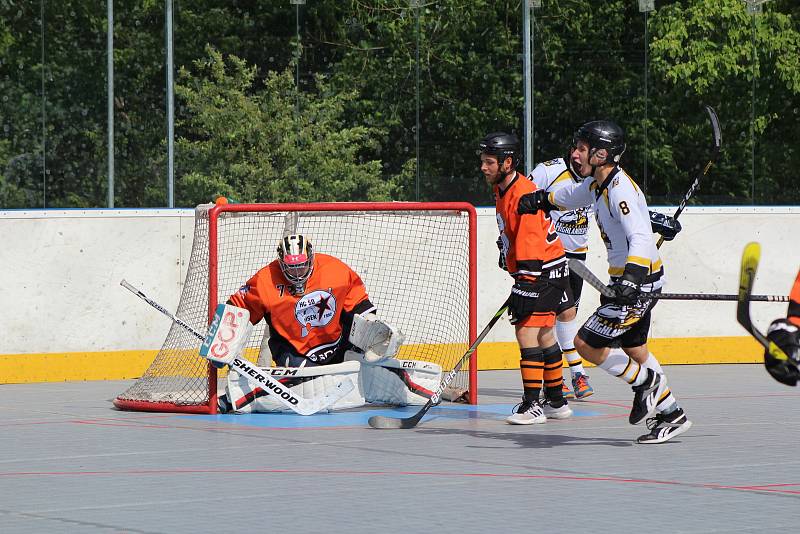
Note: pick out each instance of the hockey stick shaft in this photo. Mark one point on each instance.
(718, 296)
(281, 393)
(747, 275)
(163, 310)
(383, 422)
(716, 142)
(583, 271)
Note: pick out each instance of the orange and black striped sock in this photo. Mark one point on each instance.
(531, 365)
(553, 377)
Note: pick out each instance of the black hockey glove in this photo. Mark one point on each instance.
(501, 260)
(665, 225)
(787, 337)
(523, 300)
(531, 203)
(628, 287)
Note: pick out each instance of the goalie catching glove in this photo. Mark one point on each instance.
(378, 339)
(229, 332)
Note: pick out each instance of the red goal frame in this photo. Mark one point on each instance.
(214, 213)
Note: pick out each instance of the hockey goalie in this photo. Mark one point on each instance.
(322, 331)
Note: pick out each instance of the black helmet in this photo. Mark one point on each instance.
(602, 134)
(501, 145)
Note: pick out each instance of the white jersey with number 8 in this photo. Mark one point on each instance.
(624, 221)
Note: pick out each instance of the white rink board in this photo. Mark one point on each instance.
(704, 258)
(63, 268)
(60, 273)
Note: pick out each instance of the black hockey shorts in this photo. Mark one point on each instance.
(575, 285)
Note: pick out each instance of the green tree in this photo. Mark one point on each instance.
(589, 63)
(272, 143)
(469, 80)
(748, 67)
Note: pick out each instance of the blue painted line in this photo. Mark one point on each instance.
(491, 412)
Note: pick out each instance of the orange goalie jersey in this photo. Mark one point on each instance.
(315, 323)
(531, 246)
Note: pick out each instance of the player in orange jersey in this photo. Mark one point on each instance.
(785, 333)
(534, 257)
(308, 301)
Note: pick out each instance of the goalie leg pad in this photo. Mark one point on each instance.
(316, 381)
(398, 382)
(378, 339)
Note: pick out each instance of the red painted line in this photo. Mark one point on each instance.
(767, 488)
(227, 425)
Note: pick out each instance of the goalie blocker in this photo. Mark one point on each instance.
(392, 381)
(229, 332)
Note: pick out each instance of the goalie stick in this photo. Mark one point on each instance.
(383, 422)
(280, 392)
(583, 271)
(747, 275)
(716, 142)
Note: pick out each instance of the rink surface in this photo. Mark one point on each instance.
(72, 463)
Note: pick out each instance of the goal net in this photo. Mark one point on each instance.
(417, 261)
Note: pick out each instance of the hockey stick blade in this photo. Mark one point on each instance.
(716, 142)
(282, 394)
(583, 271)
(747, 276)
(383, 422)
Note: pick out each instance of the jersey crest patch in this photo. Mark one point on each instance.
(574, 222)
(315, 309)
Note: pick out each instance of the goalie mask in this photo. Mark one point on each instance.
(296, 258)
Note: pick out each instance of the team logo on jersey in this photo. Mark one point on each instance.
(315, 309)
(574, 222)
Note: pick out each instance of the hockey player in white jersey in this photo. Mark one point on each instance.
(635, 268)
(572, 227)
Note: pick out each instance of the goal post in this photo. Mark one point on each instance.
(418, 261)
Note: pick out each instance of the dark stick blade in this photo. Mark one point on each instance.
(382, 422)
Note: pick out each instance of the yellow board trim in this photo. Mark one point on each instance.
(122, 365)
(687, 350)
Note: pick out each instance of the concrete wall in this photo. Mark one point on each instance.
(703, 259)
(66, 316)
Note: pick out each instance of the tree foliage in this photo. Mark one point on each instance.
(272, 144)
(386, 99)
